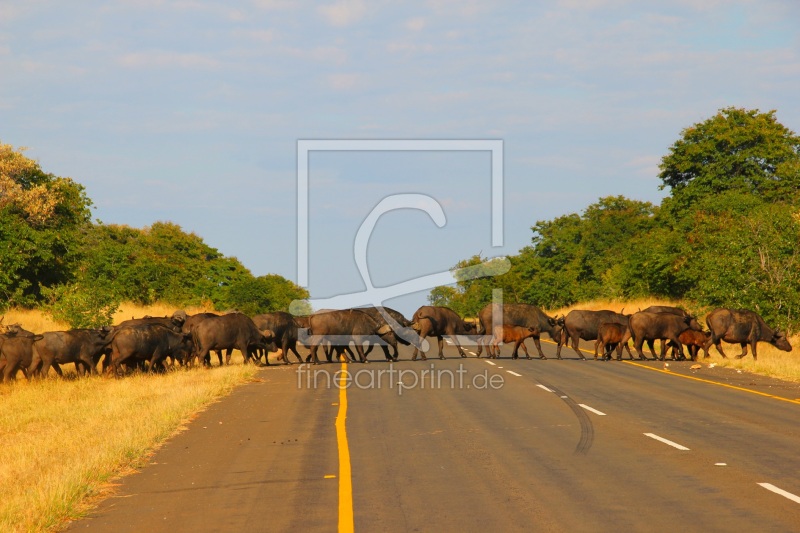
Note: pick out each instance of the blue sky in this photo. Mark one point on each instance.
(190, 111)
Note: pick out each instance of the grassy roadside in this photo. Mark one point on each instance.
(771, 361)
(65, 440)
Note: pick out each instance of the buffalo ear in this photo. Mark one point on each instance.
(552, 321)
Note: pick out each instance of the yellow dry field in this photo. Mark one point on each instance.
(65, 440)
(771, 361)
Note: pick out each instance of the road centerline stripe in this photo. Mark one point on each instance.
(785, 494)
(346, 524)
(544, 388)
(514, 373)
(666, 441)
(491, 363)
(592, 409)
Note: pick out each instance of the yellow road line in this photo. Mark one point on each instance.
(706, 381)
(345, 480)
(713, 382)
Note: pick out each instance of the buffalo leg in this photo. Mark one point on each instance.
(423, 333)
(538, 343)
(461, 351)
(575, 346)
(744, 350)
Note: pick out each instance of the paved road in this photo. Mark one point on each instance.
(553, 446)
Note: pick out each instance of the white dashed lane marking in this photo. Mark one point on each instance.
(513, 373)
(593, 410)
(491, 363)
(785, 494)
(544, 388)
(666, 441)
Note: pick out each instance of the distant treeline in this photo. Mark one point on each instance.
(728, 234)
(53, 256)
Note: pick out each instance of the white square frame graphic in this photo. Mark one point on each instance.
(305, 146)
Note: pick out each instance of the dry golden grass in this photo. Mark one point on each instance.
(33, 320)
(771, 361)
(64, 440)
(55, 433)
(39, 322)
(629, 307)
(127, 311)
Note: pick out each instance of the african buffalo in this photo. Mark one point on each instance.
(744, 327)
(650, 327)
(434, 321)
(340, 327)
(230, 331)
(694, 341)
(401, 329)
(609, 336)
(150, 343)
(519, 315)
(678, 311)
(189, 322)
(584, 325)
(83, 347)
(284, 328)
(508, 334)
(16, 351)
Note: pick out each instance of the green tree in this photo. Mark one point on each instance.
(735, 150)
(264, 294)
(42, 219)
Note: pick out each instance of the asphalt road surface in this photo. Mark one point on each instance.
(478, 445)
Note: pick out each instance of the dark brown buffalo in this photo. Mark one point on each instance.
(147, 343)
(649, 327)
(232, 331)
(174, 322)
(284, 329)
(189, 322)
(16, 351)
(401, 330)
(83, 347)
(584, 325)
(519, 315)
(340, 327)
(665, 309)
(744, 327)
(434, 321)
(507, 334)
(609, 336)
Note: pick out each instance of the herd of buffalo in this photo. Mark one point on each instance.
(153, 342)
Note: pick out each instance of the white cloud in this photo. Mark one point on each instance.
(416, 24)
(645, 165)
(276, 5)
(160, 59)
(344, 12)
(344, 81)
(264, 36)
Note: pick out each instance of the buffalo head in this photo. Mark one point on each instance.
(780, 341)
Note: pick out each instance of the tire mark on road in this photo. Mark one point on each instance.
(587, 428)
